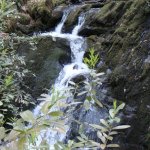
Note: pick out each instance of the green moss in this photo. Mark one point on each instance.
(108, 15)
(128, 30)
(24, 18)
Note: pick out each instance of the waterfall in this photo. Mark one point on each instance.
(59, 27)
(69, 71)
(80, 24)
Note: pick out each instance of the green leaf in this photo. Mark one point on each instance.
(78, 145)
(115, 104)
(12, 135)
(70, 143)
(8, 80)
(98, 103)
(21, 143)
(120, 107)
(82, 93)
(28, 116)
(112, 145)
(95, 143)
(112, 113)
(80, 139)
(103, 129)
(71, 82)
(2, 133)
(103, 139)
(103, 146)
(104, 122)
(108, 137)
(46, 107)
(86, 105)
(55, 113)
(113, 133)
(121, 127)
(1, 103)
(116, 119)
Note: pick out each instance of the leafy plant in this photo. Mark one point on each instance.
(92, 60)
(12, 72)
(108, 128)
(106, 131)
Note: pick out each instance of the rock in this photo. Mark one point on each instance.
(40, 9)
(43, 61)
(73, 16)
(57, 14)
(124, 46)
(38, 16)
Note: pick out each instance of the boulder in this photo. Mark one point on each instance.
(43, 61)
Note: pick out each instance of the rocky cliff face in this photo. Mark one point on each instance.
(120, 32)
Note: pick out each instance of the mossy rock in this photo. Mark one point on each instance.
(23, 18)
(124, 48)
(40, 9)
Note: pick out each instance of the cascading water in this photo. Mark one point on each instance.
(59, 27)
(77, 67)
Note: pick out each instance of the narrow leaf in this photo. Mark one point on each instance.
(104, 122)
(120, 107)
(99, 127)
(2, 133)
(121, 127)
(113, 133)
(56, 113)
(82, 93)
(113, 145)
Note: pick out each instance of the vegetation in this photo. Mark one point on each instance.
(12, 71)
(92, 60)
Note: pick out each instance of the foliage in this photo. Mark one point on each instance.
(92, 60)
(106, 131)
(12, 72)
(6, 10)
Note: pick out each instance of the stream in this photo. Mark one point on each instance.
(69, 71)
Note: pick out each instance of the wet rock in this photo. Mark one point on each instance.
(43, 61)
(64, 59)
(73, 16)
(82, 116)
(57, 14)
